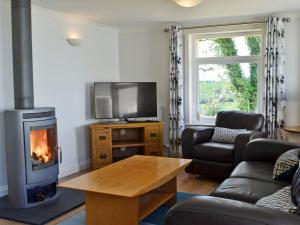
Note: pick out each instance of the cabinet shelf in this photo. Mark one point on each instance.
(127, 143)
(151, 201)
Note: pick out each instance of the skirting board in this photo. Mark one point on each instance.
(66, 171)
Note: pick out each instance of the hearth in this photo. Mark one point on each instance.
(31, 134)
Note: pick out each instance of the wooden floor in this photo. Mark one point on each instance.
(185, 183)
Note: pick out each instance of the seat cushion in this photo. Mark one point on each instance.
(254, 169)
(217, 170)
(246, 189)
(210, 151)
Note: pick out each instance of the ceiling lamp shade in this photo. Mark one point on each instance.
(188, 3)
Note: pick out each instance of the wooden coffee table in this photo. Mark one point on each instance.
(126, 192)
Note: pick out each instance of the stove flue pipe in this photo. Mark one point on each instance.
(22, 54)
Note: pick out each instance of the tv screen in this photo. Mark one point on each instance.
(117, 100)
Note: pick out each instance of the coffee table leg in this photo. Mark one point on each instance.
(104, 209)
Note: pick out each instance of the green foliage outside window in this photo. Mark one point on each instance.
(237, 91)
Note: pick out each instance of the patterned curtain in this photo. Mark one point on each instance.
(176, 92)
(275, 95)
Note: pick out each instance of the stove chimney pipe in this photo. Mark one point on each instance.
(22, 54)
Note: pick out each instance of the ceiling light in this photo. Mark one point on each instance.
(188, 3)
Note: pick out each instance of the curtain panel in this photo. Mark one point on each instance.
(176, 91)
(275, 93)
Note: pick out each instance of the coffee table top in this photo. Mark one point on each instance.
(131, 177)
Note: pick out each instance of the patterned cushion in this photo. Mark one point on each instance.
(225, 135)
(281, 200)
(286, 165)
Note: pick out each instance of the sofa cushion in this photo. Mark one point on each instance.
(255, 170)
(246, 189)
(225, 135)
(296, 189)
(281, 200)
(286, 165)
(210, 151)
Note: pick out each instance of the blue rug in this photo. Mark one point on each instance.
(156, 218)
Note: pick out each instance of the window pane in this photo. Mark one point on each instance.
(235, 46)
(226, 87)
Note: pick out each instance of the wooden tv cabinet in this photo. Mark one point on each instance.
(113, 142)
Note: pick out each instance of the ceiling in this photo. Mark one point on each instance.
(130, 14)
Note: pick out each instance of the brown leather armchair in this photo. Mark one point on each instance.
(218, 159)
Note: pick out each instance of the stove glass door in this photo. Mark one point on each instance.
(41, 150)
(42, 147)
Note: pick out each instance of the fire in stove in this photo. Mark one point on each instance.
(40, 147)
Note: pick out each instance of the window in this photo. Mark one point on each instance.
(223, 71)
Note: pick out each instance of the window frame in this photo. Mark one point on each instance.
(192, 63)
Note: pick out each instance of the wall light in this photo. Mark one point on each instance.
(74, 41)
(188, 3)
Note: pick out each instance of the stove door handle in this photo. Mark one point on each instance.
(60, 154)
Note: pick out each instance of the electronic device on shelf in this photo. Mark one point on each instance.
(125, 101)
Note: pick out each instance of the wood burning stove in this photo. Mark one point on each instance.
(31, 136)
(32, 156)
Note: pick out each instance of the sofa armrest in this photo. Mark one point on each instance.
(191, 137)
(267, 150)
(242, 140)
(218, 211)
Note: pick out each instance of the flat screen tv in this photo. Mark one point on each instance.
(122, 100)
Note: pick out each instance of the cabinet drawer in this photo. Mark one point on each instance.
(154, 150)
(102, 137)
(153, 135)
(102, 156)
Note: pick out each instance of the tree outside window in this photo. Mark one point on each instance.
(227, 76)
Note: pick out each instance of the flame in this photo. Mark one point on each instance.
(40, 150)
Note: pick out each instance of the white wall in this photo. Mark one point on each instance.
(6, 90)
(144, 57)
(62, 78)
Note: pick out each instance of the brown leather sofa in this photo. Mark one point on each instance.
(219, 159)
(232, 203)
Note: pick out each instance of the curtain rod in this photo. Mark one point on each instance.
(285, 19)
